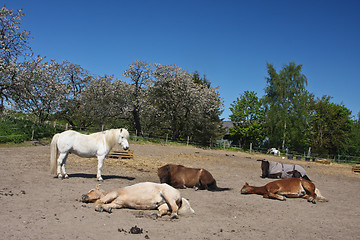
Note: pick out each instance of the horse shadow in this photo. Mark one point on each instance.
(87, 175)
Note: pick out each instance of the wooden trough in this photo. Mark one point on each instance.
(323, 161)
(356, 168)
(121, 154)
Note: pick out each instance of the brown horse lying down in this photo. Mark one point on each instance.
(179, 176)
(289, 187)
(145, 196)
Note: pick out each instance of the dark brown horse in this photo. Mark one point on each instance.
(272, 169)
(289, 187)
(179, 176)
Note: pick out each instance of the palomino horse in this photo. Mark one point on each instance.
(274, 151)
(272, 169)
(145, 196)
(289, 187)
(93, 145)
(179, 176)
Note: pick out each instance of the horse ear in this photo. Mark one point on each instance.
(246, 184)
(121, 130)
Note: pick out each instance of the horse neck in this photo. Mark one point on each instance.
(257, 190)
(111, 138)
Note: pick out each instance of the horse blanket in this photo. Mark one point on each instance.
(284, 169)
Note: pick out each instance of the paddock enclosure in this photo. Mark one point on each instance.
(36, 205)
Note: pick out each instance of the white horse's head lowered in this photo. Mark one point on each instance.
(124, 138)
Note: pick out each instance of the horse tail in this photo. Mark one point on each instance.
(53, 153)
(320, 197)
(185, 207)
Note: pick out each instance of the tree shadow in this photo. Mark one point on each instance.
(87, 175)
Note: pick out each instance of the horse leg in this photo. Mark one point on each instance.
(277, 196)
(310, 191)
(61, 165)
(100, 166)
(163, 209)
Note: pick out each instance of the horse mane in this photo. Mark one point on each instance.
(112, 136)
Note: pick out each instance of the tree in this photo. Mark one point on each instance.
(140, 74)
(104, 100)
(75, 81)
(287, 106)
(181, 106)
(13, 43)
(248, 118)
(330, 127)
(39, 88)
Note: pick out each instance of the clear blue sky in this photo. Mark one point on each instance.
(229, 40)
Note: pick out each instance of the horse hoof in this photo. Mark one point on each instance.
(284, 199)
(154, 216)
(109, 210)
(99, 208)
(66, 176)
(174, 216)
(100, 179)
(60, 176)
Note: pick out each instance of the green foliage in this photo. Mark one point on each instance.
(287, 106)
(330, 127)
(16, 130)
(248, 117)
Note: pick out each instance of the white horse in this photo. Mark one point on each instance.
(97, 144)
(274, 151)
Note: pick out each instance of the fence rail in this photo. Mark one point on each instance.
(222, 144)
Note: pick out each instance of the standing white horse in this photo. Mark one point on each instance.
(97, 144)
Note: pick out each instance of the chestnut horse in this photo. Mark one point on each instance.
(145, 196)
(289, 187)
(179, 176)
(272, 169)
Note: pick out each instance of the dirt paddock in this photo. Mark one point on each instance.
(35, 205)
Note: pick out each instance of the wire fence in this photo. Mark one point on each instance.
(212, 143)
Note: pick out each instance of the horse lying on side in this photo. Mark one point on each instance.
(94, 145)
(144, 196)
(179, 176)
(272, 169)
(289, 187)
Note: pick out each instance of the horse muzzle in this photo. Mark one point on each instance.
(243, 191)
(85, 198)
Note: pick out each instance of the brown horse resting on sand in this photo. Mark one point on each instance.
(144, 196)
(289, 187)
(272, 169)
(179, 176)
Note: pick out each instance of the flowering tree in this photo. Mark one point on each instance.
(39, 88)
(104, 99)
(13, 43)
(181, 106)
(141, 80)
(75, 80)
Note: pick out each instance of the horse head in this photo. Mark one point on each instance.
(93, 195)
(245, 189)
(124, 139)
(264, 168)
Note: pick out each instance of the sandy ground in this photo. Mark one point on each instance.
(35, 205)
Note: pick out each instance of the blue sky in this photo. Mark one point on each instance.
(229, 41)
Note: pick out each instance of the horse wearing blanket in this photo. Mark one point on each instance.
(272, 169)
(145, 196)
(94, 145)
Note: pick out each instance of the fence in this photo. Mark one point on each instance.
(220, 144)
